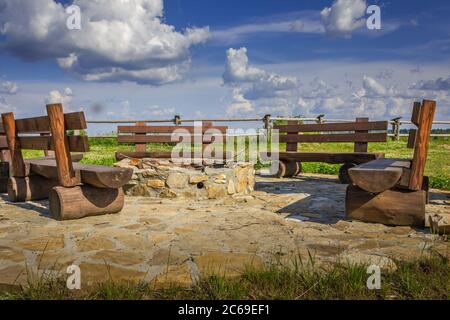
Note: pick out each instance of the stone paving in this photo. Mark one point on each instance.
(171, 240)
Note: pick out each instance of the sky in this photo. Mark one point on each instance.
(152, 59)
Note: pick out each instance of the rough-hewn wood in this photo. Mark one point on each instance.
(330, 157)
(416, 113)
(3, 143)
(140, 128)
(287, 169)
(378, 175)
(4, 176)
(76, 143)
(5, 156)
(412, 139)
(345, 137)
(30, 188)
(343, 175)
(391, 207)
(328, 127)
(17, 166)
(98, 176)
(361, 146)
(84, 201)
(72, 121)
(66, 174)
(426, 117)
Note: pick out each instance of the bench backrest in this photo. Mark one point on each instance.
(422, 117)
(46, 133)
(141, 134)
(358, 132)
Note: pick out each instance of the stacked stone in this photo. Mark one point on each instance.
(166, 179)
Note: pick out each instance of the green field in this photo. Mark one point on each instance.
(438, 164)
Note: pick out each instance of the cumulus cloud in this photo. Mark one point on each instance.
(119, 40)
(344, 16)
(8, 87)
(261, 83)
(438, 84)
(252, 85)
(65, 97)
(240, 105)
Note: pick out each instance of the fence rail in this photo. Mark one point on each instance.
(268, 120)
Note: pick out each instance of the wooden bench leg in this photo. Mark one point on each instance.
(288, 169)
(84, 201)
(31, 188)
(426, 188)
(344, 177)
(4, 176)
(391, 207)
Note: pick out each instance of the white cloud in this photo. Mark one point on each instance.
(8, 87)
(240, 105)
(5, 106)
(438, 84)
(256, 83)
(119, 40)
(344, 16)
(65, 98)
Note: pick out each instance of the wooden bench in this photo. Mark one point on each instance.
(75, 190)
(394, 191)
(359, 132)
(141, 134)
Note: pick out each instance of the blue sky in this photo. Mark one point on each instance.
(198, 58)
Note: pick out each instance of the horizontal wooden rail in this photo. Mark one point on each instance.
(324, 127)
(352, 137)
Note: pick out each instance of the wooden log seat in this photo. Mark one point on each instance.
(360, 132)
(75, 190)
(394, 191)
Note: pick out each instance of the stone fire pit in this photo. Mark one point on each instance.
(165, 179)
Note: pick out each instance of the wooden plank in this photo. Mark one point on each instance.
(349, 137)
(330, 157)
(30, 188)
(168, 129)
(17, 165)
(3, 143)
(379, 175)
(97, 176)
(158, 139)
(421, 147)
(391, 207)
(361, 146)
(76, 143)
(66, 174)
(330, 127)
(120, 155)
(416, 113)
(72, 121)
(412, 138)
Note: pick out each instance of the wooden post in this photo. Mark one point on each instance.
(266, 121)
(17, 167)
(319, 119)
(396, 128)
(5, 156)
(361, 146)
(177, 120)
(292, 146)
(66, 174)
(425, 120)
(140, 147)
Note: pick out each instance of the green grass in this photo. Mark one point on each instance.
(425, 278)
(438, 163)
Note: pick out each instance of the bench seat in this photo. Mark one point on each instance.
(381, 174)
(330, 157)
(97, 176)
